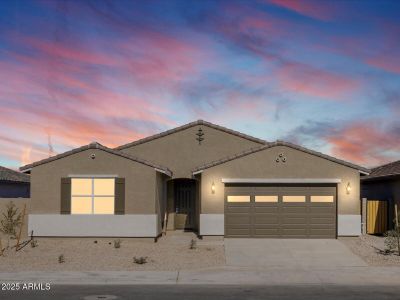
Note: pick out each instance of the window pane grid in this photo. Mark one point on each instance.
(99, 191)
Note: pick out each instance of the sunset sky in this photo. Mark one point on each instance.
(323, 74)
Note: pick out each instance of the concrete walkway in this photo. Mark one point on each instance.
(352, 276)
(290, 253)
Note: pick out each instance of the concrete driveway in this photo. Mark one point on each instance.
(290, 253)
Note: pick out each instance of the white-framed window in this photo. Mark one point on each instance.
(92, 196)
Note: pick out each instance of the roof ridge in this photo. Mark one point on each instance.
(95, 145)
(280, 143)
(188, 125)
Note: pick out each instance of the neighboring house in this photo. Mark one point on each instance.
(200, 177)
(13, 184)
(383, 183)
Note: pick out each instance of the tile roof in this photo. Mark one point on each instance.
(95, 145)
(387, 170)
(11, 175)
(195, 123)
(280, 143)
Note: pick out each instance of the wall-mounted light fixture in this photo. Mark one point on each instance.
(213, 188)
(348, 188)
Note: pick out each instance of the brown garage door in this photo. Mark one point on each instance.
(280, 211)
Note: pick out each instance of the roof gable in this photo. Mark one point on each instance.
(192, 124)
(95, 145)
(275, 144)
(11, 175)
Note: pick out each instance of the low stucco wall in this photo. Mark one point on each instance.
(94, 225)
(19, 203)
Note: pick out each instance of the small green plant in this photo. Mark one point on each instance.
(193, 244)
(140, 260)
(12, 219)
(61, 259)
(34, 243)
(117, 244)
(392, 238)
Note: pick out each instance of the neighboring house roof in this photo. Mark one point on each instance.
(280, 143)
(387, 170)
(14, 176)
(186, 126)
(95, 145)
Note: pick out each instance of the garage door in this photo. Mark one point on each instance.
(280, 211)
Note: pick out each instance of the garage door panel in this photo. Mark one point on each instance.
(274, 219)
(238, 219)
(294, 209)
(322, 210)
(266, 219)
(322, 220)
(266, 209)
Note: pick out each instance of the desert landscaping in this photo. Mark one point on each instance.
(174, 251)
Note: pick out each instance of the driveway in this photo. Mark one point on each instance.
(290, 253)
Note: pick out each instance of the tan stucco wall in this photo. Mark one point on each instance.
(140, 180)
(161, 198)
(263, 165)
(19, 204)
(181, 152)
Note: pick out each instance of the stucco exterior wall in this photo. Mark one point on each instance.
(263, 165)
(161, 199)
(140, 180)
(181, 152)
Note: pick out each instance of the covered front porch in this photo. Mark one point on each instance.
(183, 204)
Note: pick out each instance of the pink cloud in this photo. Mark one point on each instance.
(365, 143)
(321, 10)
(305, 79)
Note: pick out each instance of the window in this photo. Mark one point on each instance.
(322, 199)
(92, 195)
(238, 198)
(266, 198)
(294, 199)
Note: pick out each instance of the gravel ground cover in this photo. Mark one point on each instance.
(171, 252)
(371, 249)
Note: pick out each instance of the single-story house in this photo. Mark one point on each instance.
(13, 184)
(383, 183)
(201, 177)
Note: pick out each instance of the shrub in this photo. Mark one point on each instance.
(12, 219)
(193, 244)
(140, 260)
(117, 244)
(61, 259)
(34, 243)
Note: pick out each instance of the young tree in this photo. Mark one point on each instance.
(11, 220)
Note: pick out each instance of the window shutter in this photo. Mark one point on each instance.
(65, 196)
(119, 207)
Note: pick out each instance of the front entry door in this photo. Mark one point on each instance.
(185, 197)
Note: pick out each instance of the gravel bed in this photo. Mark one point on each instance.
(171, 252)
(371, 249)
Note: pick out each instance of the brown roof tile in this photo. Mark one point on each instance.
(280, 143)
(195, 123)
(11, 175)
(95, 145)
(387, 170)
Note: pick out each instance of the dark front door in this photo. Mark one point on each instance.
(185, 197)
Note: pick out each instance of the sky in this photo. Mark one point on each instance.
(322, 74)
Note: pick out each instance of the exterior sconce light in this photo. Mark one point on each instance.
(348, 188)
(213, 188)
